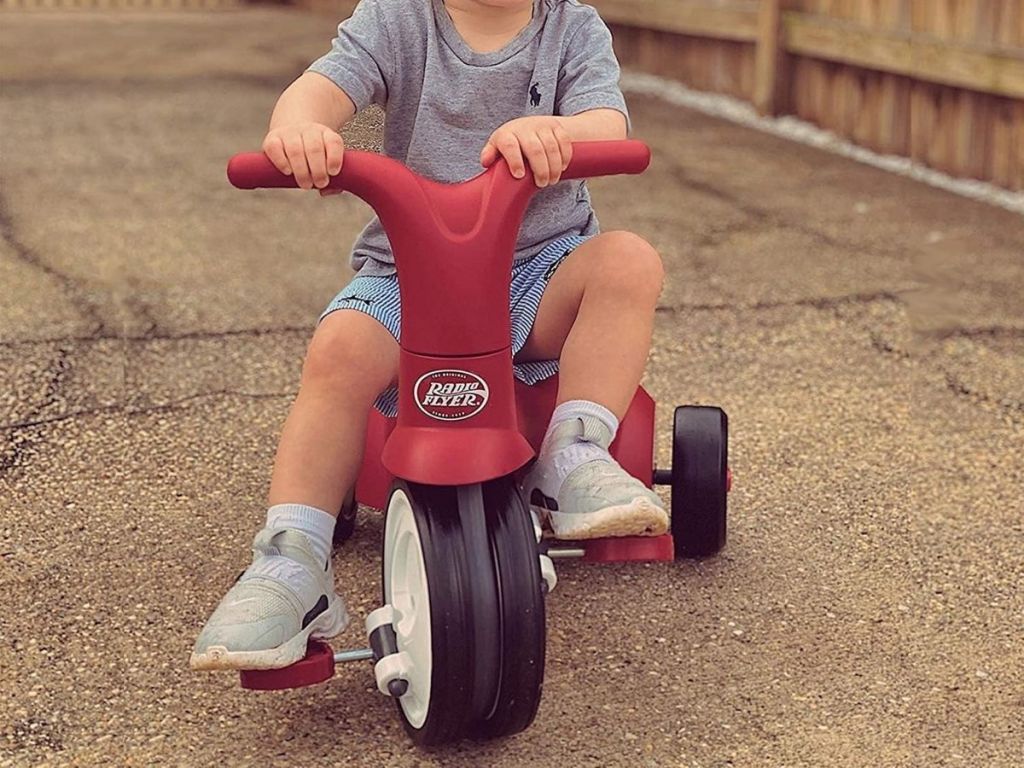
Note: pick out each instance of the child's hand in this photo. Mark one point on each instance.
(542, 141)
(311, 152)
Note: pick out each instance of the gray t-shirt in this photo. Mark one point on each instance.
(443, 100)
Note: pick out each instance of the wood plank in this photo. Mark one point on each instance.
(941, 145)
(887, 108)
(967, 141)
(810, 85)
(745, 62)
(985, 21)
(824, 75)
(1017, 127)
(988, 70)
(1001, 161)
(849, 83)
(922, 119)
(901, 117)
(833, 100)
(341, 9)
(767, 58)
(1011, 23)
(736, 21)
(799, 96)
(866, 127)
(897, 15)
(981, 150)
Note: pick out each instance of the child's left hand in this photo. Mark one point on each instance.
(541, 141)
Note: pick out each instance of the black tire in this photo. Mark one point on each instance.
(523, 630)
(458, 683)
(700, 463)
(345, 525)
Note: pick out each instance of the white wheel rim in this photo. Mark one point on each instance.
(405, 590)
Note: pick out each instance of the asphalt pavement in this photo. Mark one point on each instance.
(864, 332)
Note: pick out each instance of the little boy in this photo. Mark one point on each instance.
(464, 83)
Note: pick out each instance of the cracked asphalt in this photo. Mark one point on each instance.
(864, 333)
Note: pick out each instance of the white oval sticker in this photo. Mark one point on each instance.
(450, 395)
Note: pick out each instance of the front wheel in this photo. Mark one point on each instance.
(521, 597)
(700, 483)
(424, 562)
(462, 573)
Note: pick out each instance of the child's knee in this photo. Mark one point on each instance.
(628, 263)
(343, 360)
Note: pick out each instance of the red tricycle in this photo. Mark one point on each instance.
(460, 639)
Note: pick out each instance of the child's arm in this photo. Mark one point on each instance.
(545, 141)
(303, 139)
(596, 125)
(588, 107)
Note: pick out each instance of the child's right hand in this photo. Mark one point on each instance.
(311, 152)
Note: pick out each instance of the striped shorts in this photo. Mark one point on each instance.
(378, 297)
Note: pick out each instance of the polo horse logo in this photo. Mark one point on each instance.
(534, 96)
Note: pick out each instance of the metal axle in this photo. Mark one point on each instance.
(565, 553)
(358, 654)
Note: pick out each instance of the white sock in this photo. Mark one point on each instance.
(599, 424)
(317, 525)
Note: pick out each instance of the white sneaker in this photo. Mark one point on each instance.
(583, 493)
(281, 600)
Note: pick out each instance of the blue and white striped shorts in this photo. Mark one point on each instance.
(378, 297)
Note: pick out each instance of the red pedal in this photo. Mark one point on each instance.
(629, 549)
(316, 667)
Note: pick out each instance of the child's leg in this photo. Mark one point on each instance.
(287, 594)
(596, 317)
(350, 361)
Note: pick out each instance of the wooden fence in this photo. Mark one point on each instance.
(941, 81)
(117, 5)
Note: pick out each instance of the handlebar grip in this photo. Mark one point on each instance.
(361, 173)
(607, 158)
(253, 170)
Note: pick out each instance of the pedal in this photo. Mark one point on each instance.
(316, 667)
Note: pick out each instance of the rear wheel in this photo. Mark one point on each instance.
(700, 465)
(345, 525)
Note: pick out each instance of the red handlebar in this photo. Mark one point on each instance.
(253, 170)
(607, 158)
(454, 240)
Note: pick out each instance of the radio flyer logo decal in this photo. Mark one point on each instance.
(450, 395)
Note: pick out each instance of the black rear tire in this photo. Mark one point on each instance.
(700, 463)
(345, 525)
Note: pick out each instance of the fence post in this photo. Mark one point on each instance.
(767, 57)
